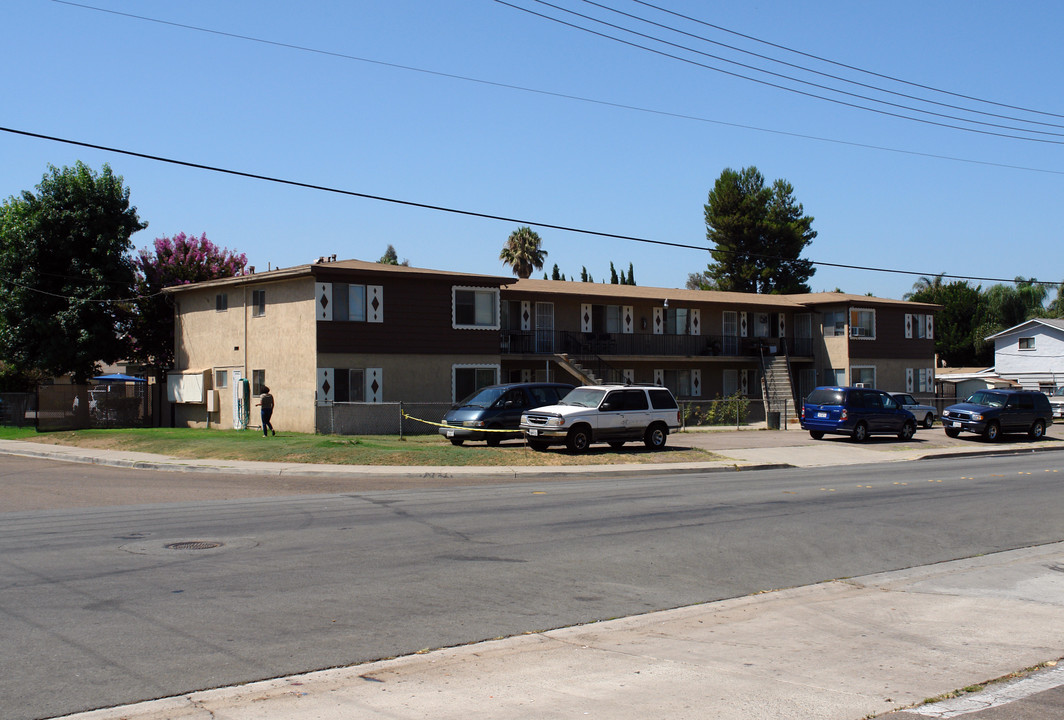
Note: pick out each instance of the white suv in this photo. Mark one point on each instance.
(614, 414)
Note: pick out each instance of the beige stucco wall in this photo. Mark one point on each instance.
(281, 342)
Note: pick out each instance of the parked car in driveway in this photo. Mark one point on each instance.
(614, 414)
(857, 412)
(992, 412)
(1056, 401)
(924, 414)
(497, 407)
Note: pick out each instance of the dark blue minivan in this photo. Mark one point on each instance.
(857, 412)
(488, 411)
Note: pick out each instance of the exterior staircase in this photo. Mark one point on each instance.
(779, 392)
(578, 371)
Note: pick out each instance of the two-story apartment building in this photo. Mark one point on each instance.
(354, 331)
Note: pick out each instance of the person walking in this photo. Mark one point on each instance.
(266, 401)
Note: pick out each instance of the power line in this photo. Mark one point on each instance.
(482, 215)
(777, 85)
(564, 96)
(813, 71)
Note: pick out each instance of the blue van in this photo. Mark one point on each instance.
(857, 412)
(498, 407)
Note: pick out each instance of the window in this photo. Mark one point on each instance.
(865, 376)
(475, 308)
(258, 381)
(221, 379)
(470, 378)
(1027, 343)
(676, 321)
(920, 326)
(863, 324)
(762, 325)
(835, 376)
(221, 302)
(834, 323)
(613, 318)
(679, 382)
(349, 302)
(258, 303)
(350, 385)
(731, 383)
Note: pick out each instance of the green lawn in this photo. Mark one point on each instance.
(343, 449)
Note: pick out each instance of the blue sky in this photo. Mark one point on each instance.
(378, 129)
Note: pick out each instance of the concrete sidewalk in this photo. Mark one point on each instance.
(842, 650)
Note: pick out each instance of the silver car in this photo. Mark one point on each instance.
(924, 414)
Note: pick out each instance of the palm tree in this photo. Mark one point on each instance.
(926, 286)
(522, 252)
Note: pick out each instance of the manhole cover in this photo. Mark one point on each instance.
(193, 545)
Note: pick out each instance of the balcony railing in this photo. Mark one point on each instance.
(529, 342)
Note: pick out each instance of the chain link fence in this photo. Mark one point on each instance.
(18, 409)
(77, 407)
(385, 418)
(735, 411)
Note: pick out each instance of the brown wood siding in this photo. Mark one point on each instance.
(891, 343)
(417, 320)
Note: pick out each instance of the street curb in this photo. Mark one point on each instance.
(997, 452)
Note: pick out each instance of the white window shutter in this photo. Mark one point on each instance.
(629, 319)
(696, 382)
(743, 324)
(744, 381)
(526, 314)
(930, 327)
(323, 301)
(908, 327)
(326, 384)
(374, 385)
(629, 375)
(909, 379)
(696, 321)
(526, 375)
(585, 317)
(783, 326)
(659, 376)
(659, 321)
(929, 380)
(375, 303)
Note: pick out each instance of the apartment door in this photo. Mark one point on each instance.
(544, 327)
(731, 333)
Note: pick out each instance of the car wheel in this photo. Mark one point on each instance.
(578, 440)
(494, 439)
(1037, 431)
(816, 434)
(860, 433)
(655, 436)
(617, 444)
(538, 445)
(457, 442)
(952, 432)
(907, 430)
(929, 420)
(991, 432)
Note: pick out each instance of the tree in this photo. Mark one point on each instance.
(958, 325)
(631, 274)
(391, 258)
(178, 261)
(614, 280)
(66, 273)
(556, 274)
(758, 234)
(522, 252)
(1056, 308)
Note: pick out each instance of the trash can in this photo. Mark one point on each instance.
(773, 421)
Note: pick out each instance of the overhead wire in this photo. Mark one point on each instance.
(484, 215)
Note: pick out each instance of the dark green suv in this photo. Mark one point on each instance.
(992, 412)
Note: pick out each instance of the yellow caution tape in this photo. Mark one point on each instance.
(461, 427)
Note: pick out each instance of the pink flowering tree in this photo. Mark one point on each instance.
(180, 260)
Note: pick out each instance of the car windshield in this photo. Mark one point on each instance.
(987, 398)
(483, 398)
(826, 396)
(583, 397)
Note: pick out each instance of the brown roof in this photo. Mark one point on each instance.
(835, 298)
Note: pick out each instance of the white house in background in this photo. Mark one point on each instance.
(1031, 353)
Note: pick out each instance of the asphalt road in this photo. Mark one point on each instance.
(97, 610)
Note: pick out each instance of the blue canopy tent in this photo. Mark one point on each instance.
(118, 377)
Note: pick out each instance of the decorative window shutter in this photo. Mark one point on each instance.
(744, 381)
(908, 327)
(526, 375)
(929, 380)
(659, 376)
(585, 317)
(326, 384)
(743, 324)
(526, 314)
(909, 378)
(783, 326)
(696, 382)
(696, 321)
(930, 327)
(375, 303)
(323, 304)
(659, 321)
(374, 385)
(629, 319)
(629, 375)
